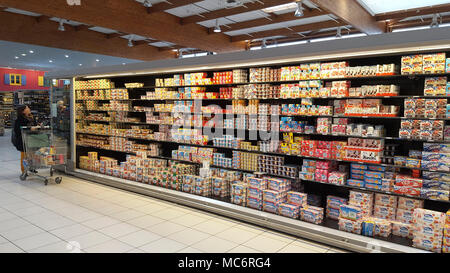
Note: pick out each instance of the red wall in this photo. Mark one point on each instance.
(32, 79)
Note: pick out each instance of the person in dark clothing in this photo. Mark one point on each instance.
(24, 118)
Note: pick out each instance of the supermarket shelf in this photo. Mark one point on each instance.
(374, 190)
(281, 82)
(280, 115)
(318, 233)
(274, 99)
(282, 176)
(292, 155)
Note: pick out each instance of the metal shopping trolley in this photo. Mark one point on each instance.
(41, 152)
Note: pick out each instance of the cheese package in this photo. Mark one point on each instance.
(409, 203)
(384, 212)
(429, 217)
(289, 210)
(350, 212)
(297, 198)
(405, 216)
(350, 226)
(427, 244)
(386, 200)
(312, 214)
(402, 229)
(383, 228)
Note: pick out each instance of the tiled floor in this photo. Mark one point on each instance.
(81, 216)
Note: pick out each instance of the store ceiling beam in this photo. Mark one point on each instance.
(169, 5)
(114, 35)
(270, 19)
(82, 27)
(413, 12)
(353, 13)
(131, 17)
(294, 30)
(24, 29)
(256, 5)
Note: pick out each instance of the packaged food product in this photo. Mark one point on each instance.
(350, 226)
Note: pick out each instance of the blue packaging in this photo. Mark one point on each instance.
(373, 186)
(357, 176)
(434, 194)
(436, 148)
(373, 174)
(368, 228)
(428, 156)
(436, 176)
(368, 180)
(435, 166)
(436, 185)
(355, 183)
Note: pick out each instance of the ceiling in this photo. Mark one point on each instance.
(51, 59)
(168, 29)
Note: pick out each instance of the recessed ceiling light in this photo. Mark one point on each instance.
(31, 51)
(123, 63)
(67, 56)
(23, 54)
(50, 61)
(97, 60)
(16, 57)
(80, 64)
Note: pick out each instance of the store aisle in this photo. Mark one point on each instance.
(80, 216)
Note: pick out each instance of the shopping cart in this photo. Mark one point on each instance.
(41, 152)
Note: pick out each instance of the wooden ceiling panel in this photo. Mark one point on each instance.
(25, 29)
(131, 17)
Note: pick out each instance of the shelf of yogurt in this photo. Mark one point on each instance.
(432, 185)
(200, 78)
(107, 94)
(93, 84)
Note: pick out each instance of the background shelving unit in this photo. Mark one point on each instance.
(7, 108)
(411, 86)
(37, 100)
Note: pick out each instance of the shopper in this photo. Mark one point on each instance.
(24, 118)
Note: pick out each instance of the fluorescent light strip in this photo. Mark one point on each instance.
(282, 61)
(287, 6)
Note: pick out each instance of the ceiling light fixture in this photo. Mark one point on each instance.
(434, 21)
(339, 33)
(264, 43)
(16, 57)
(130, 42)
(61, 25)
(80, 64)
(97, 60)
(23, 54)
(299, 10)
(67, 56)
(50, 61)
(31, 51)
(147, 4)
(217, 28)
